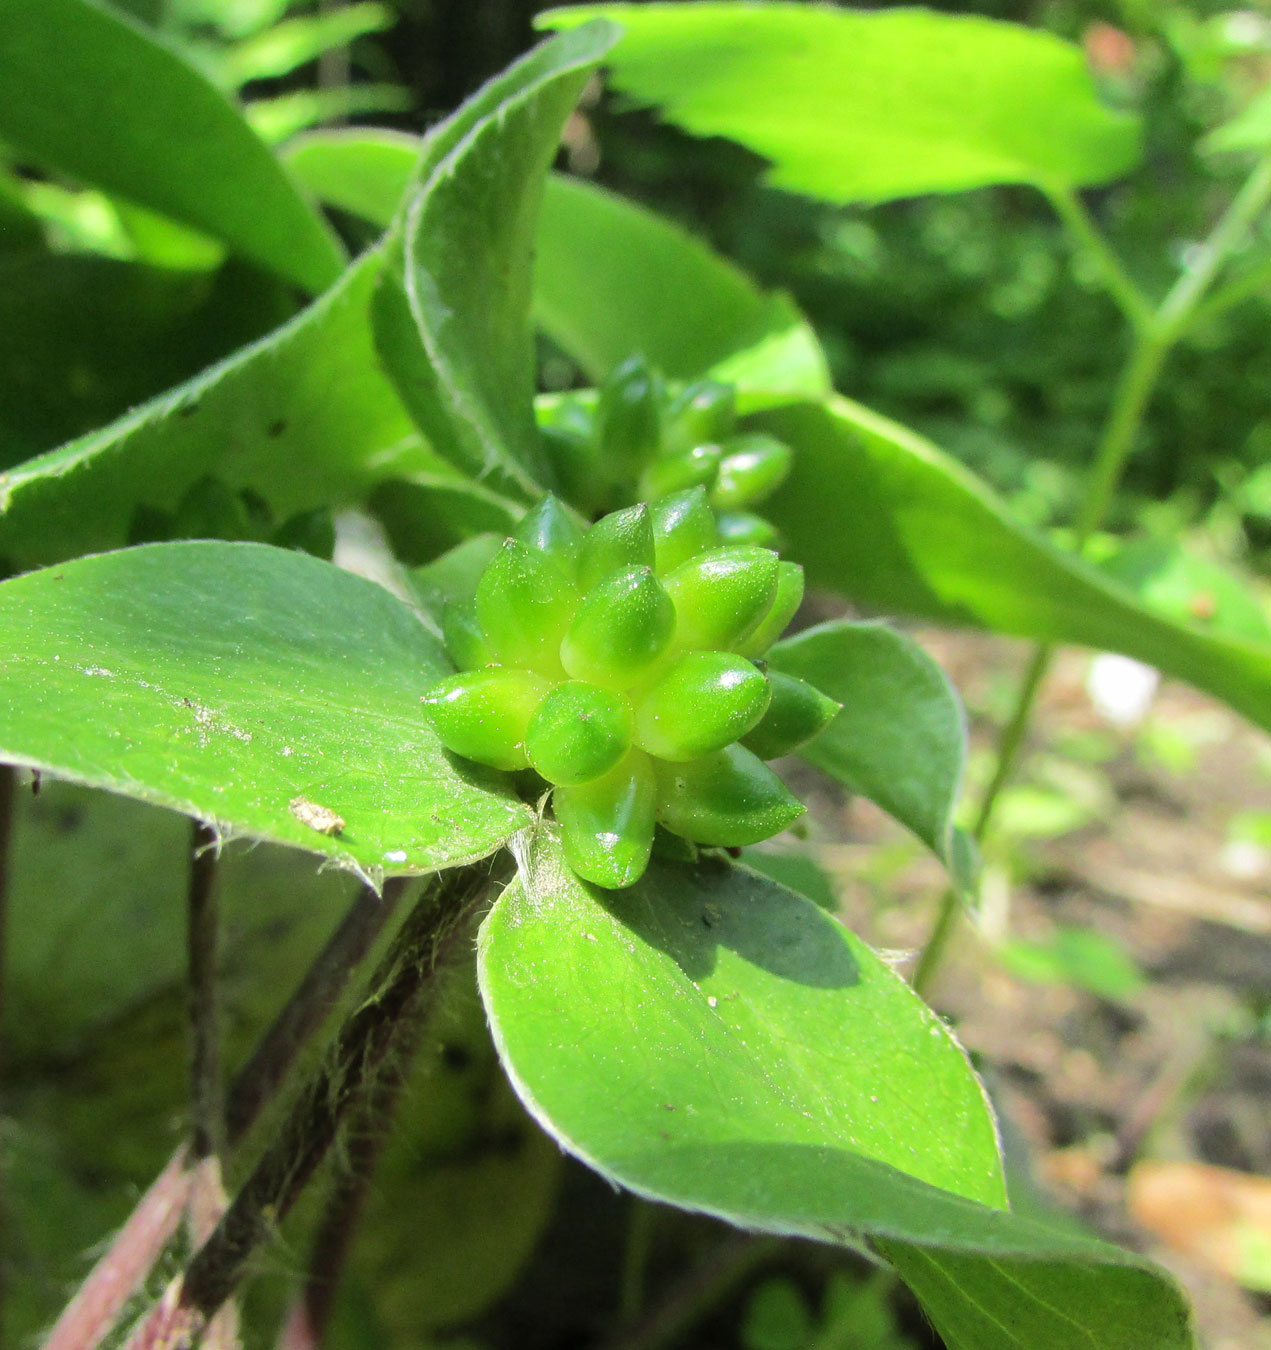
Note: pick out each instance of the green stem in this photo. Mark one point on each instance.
(1116, 280)
(640, 1223)
(1156, 332)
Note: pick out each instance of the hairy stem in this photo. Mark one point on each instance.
(436, 925)
(202, 944)
(93, 1311)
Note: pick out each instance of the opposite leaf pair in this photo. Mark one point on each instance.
(622, 663)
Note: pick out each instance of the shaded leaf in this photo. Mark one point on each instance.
(244, 684)
(900, 737)
(111, 105)
(855, 106)
(362, 170)
(882, 516)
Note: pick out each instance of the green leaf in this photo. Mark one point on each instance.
(275, 119)
(984, 1303)
(248, 686)
(364, 171)
(784, 1079)
(767, 1031)
(109, 104)
(900, 737)
(83, 338)
(304, 417)
(455, 333)
(882, 516)
(854, 106)
(605, 268)
(426, 516)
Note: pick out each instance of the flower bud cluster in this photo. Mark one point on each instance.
(621, 663)
(641, 442)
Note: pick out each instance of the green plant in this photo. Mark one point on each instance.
(692, 1030)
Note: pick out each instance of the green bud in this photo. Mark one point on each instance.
(620, 539)
(797, 712)
(623, 625)
(629, 415)
(463, 636)
(694, 468)
(607, 825)
(550, 528)
(484, 714)
(721, 596)
(683, 525)
(730, 798)
(753, 468)
(741, 527)
(579, 732)
(784, 607)
(705, 701)
(524, 606)
(701, 412)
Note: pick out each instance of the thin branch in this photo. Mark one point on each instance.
(307, 1322)
(437, 924)
(1133, 304)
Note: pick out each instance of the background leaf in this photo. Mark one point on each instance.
(604, 270)
(854, 106)
(83, 338)
(228, 680)
(900, 737)
(106, 102)
(882, 516)
(304, 417)
(780, 1070)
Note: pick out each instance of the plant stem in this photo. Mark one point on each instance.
(8, 803)
(1156, 333)
(202, 941)
(692, 1297)
(438, 922)
(1133, 304)
(635, 1259)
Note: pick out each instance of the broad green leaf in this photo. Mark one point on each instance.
(108, 103)
(362, 170)
(602, 266)
(252, 687)
(764, 1031)
(605, 269)
(855, 106)
(783, 1079)
(882, 516)
(304, 417)
(83, 338)
(455, 333)
(900, 737)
